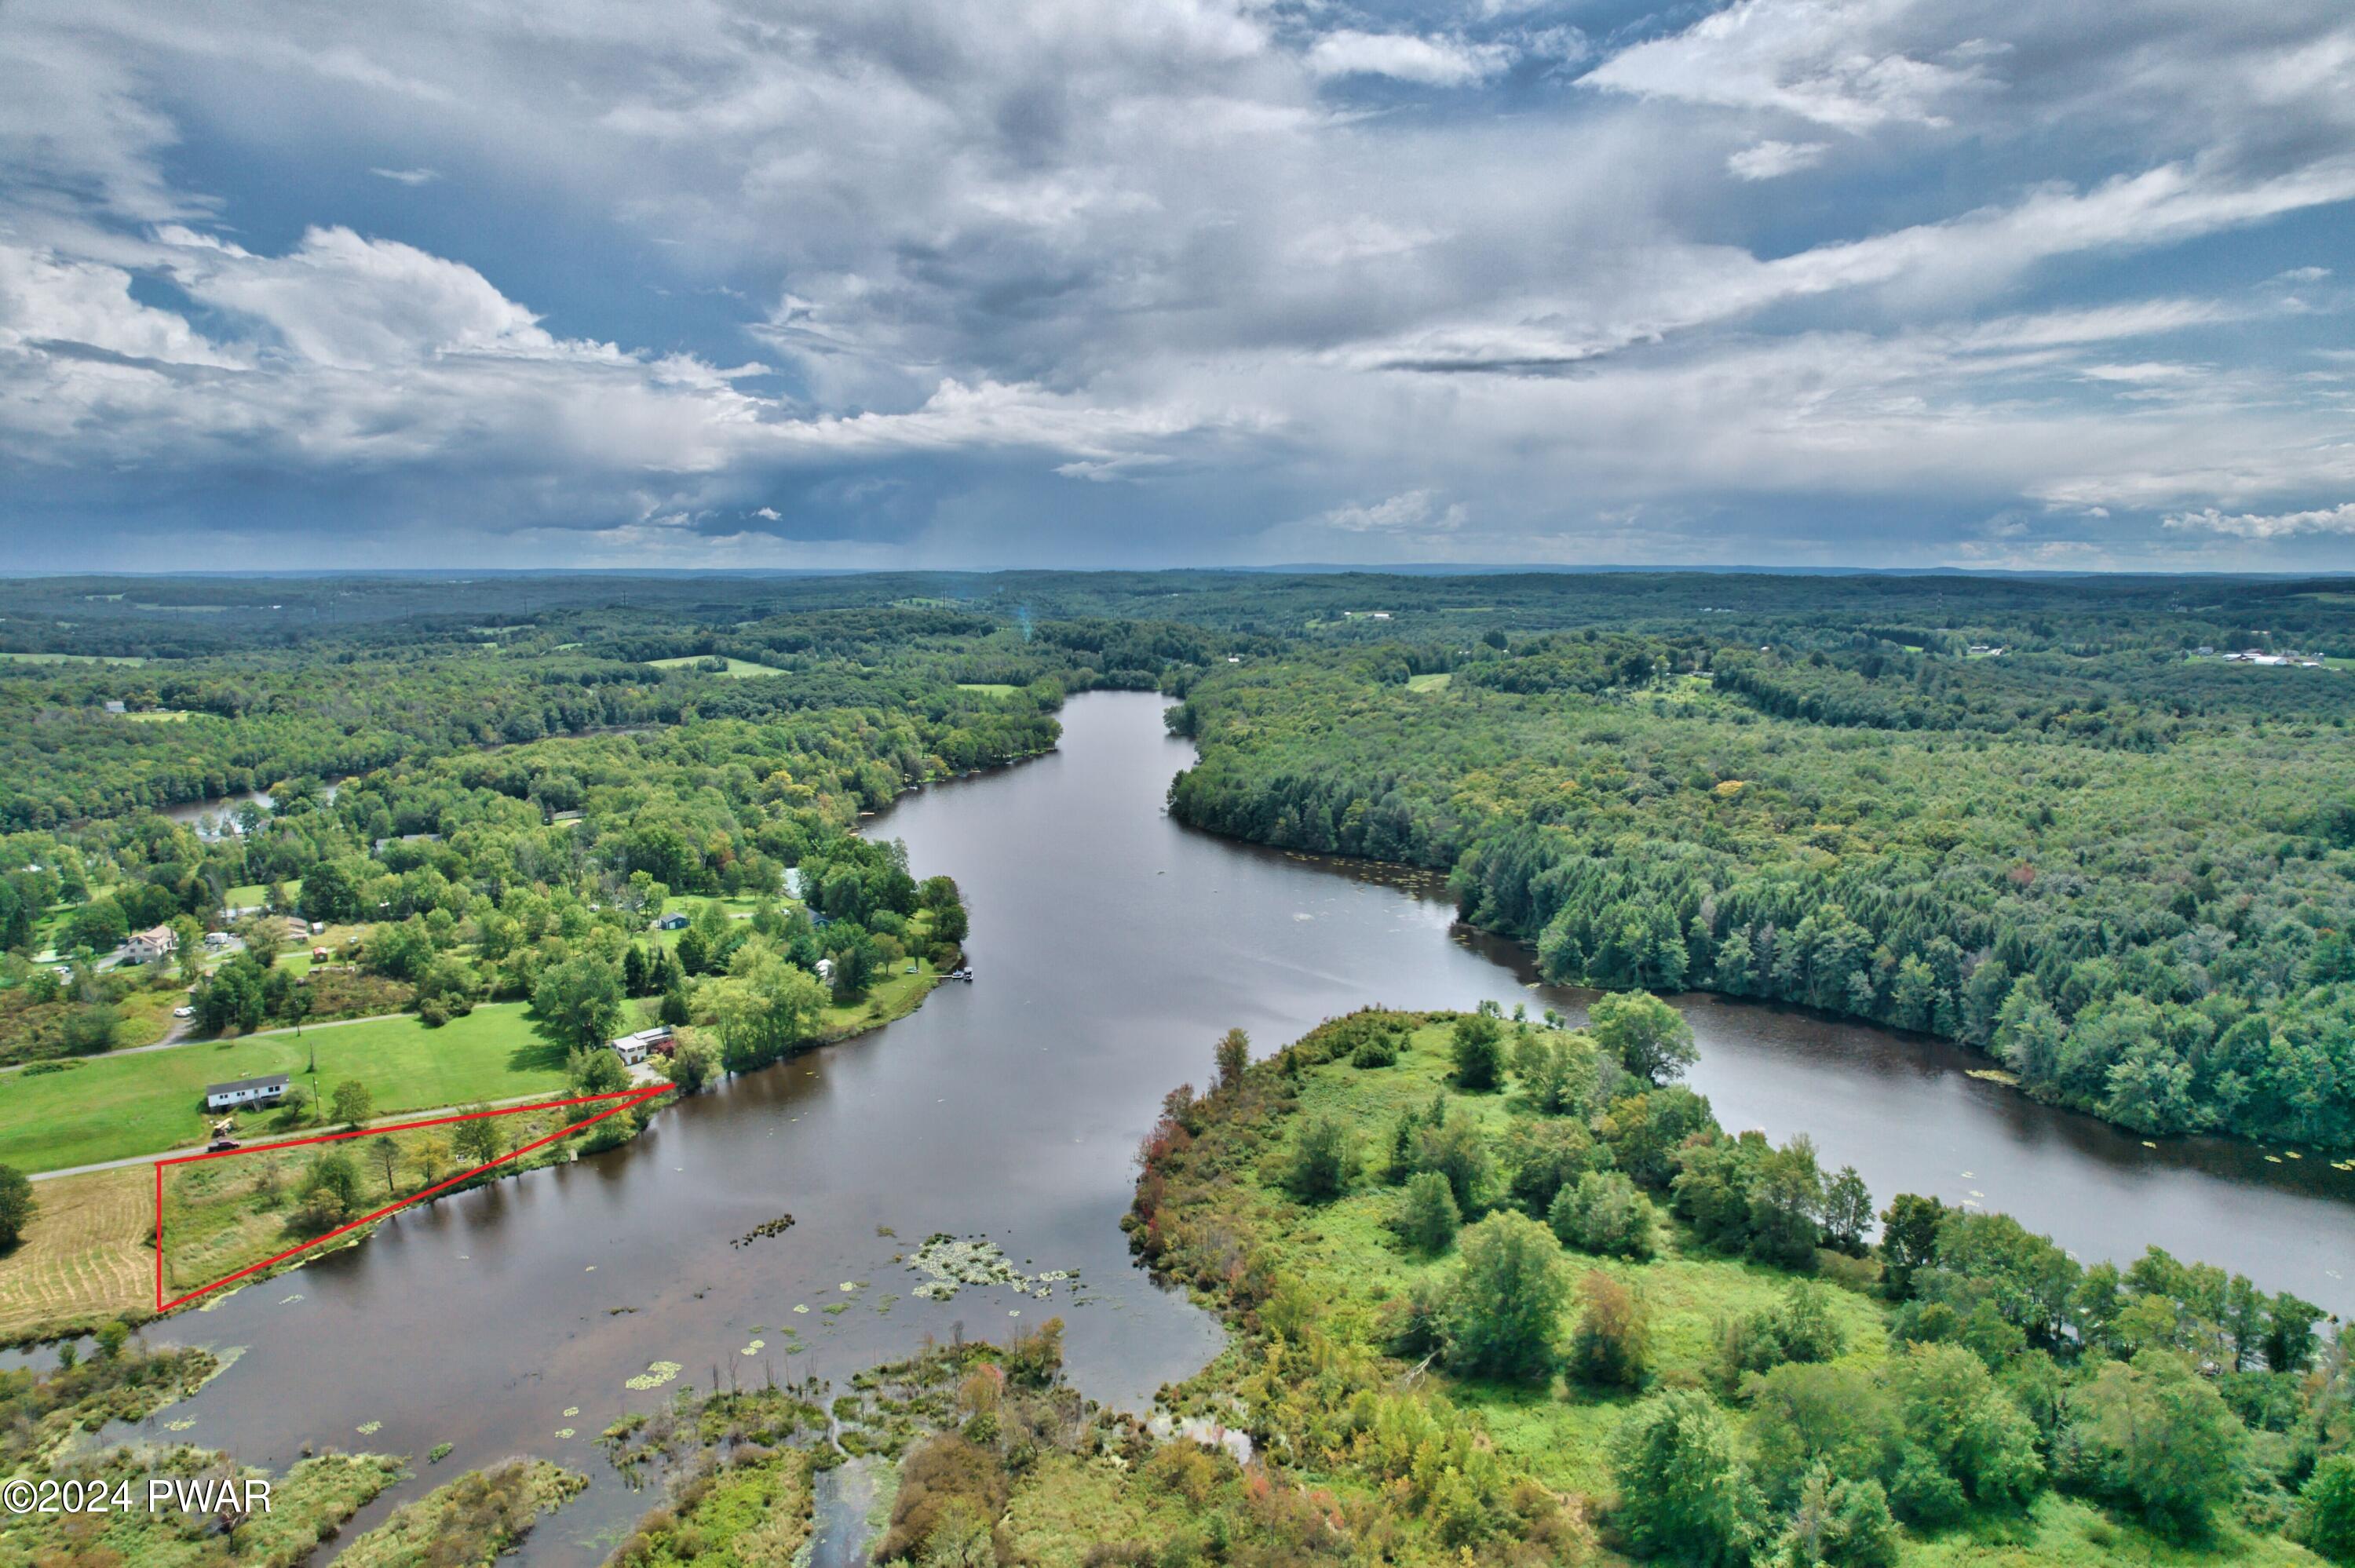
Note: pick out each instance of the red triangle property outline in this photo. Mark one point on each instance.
(628, 1097)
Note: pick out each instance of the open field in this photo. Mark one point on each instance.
(738, 669)
(221, 1216)
(989, 688)
(68, 659)
(114, 1109)
(85, 1257)
(252, 895)
(1429, 682)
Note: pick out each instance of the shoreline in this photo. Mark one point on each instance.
(636, 1119)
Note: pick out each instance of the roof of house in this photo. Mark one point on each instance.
(277, 1080)
(156, 936)
(642, 1037)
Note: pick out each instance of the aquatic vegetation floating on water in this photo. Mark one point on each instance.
(564, 1431)
(754, 1348)
(290, 1299)
(368, 1428)
(571, 1410)
(765, 1229)
(180, 1425)
(803, 1306)
(949, 1265)
(657, 1374)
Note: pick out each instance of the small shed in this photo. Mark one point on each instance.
(246, 1092)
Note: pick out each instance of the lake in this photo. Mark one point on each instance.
(1112, 947)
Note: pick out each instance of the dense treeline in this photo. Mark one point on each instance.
(2134, 887)
(158, 719)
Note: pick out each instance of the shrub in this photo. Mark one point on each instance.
(1478, 1047)
(18, 1205)
(1805, 1417)
(1840, 1524)
(1504, 1317)
(1649, 1038)
(1544, 1156)
(1799, 1328)
(1683, 1493)
(2325, 1520)
(1603, 1212)
(1455, 1148)
(1428, 1218)
(2155, 1435)
(945, 1485)
(1322, 1164)
(1613, 1346)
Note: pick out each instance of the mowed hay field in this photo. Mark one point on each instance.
(86, 1257)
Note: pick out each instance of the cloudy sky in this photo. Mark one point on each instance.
(1092, 282)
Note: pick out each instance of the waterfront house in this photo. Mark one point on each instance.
(243, 1091)
(634, 1049)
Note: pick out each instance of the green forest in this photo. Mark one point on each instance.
(2122, 865)
(2053, 818)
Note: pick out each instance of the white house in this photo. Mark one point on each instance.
(634, 1049)
(246, 1092)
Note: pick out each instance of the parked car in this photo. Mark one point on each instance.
(222, 1146)
(183, 1013)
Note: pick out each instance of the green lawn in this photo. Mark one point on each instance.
(112, 1108)
(990, 688)
(738, 669)
(1429, 682)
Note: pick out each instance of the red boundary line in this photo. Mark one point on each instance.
(628, 1097)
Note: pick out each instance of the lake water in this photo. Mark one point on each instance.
(1112, 947)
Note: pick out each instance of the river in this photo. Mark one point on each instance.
(1112, 947)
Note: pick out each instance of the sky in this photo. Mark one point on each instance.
(1176, 282)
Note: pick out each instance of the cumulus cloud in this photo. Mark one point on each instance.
(1433, 62)
(1408, 511)
(1816, 59)
(1772, 160)
(2339, 519)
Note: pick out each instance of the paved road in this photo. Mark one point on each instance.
(407, 1116)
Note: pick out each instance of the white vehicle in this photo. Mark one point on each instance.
(183, 1013)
